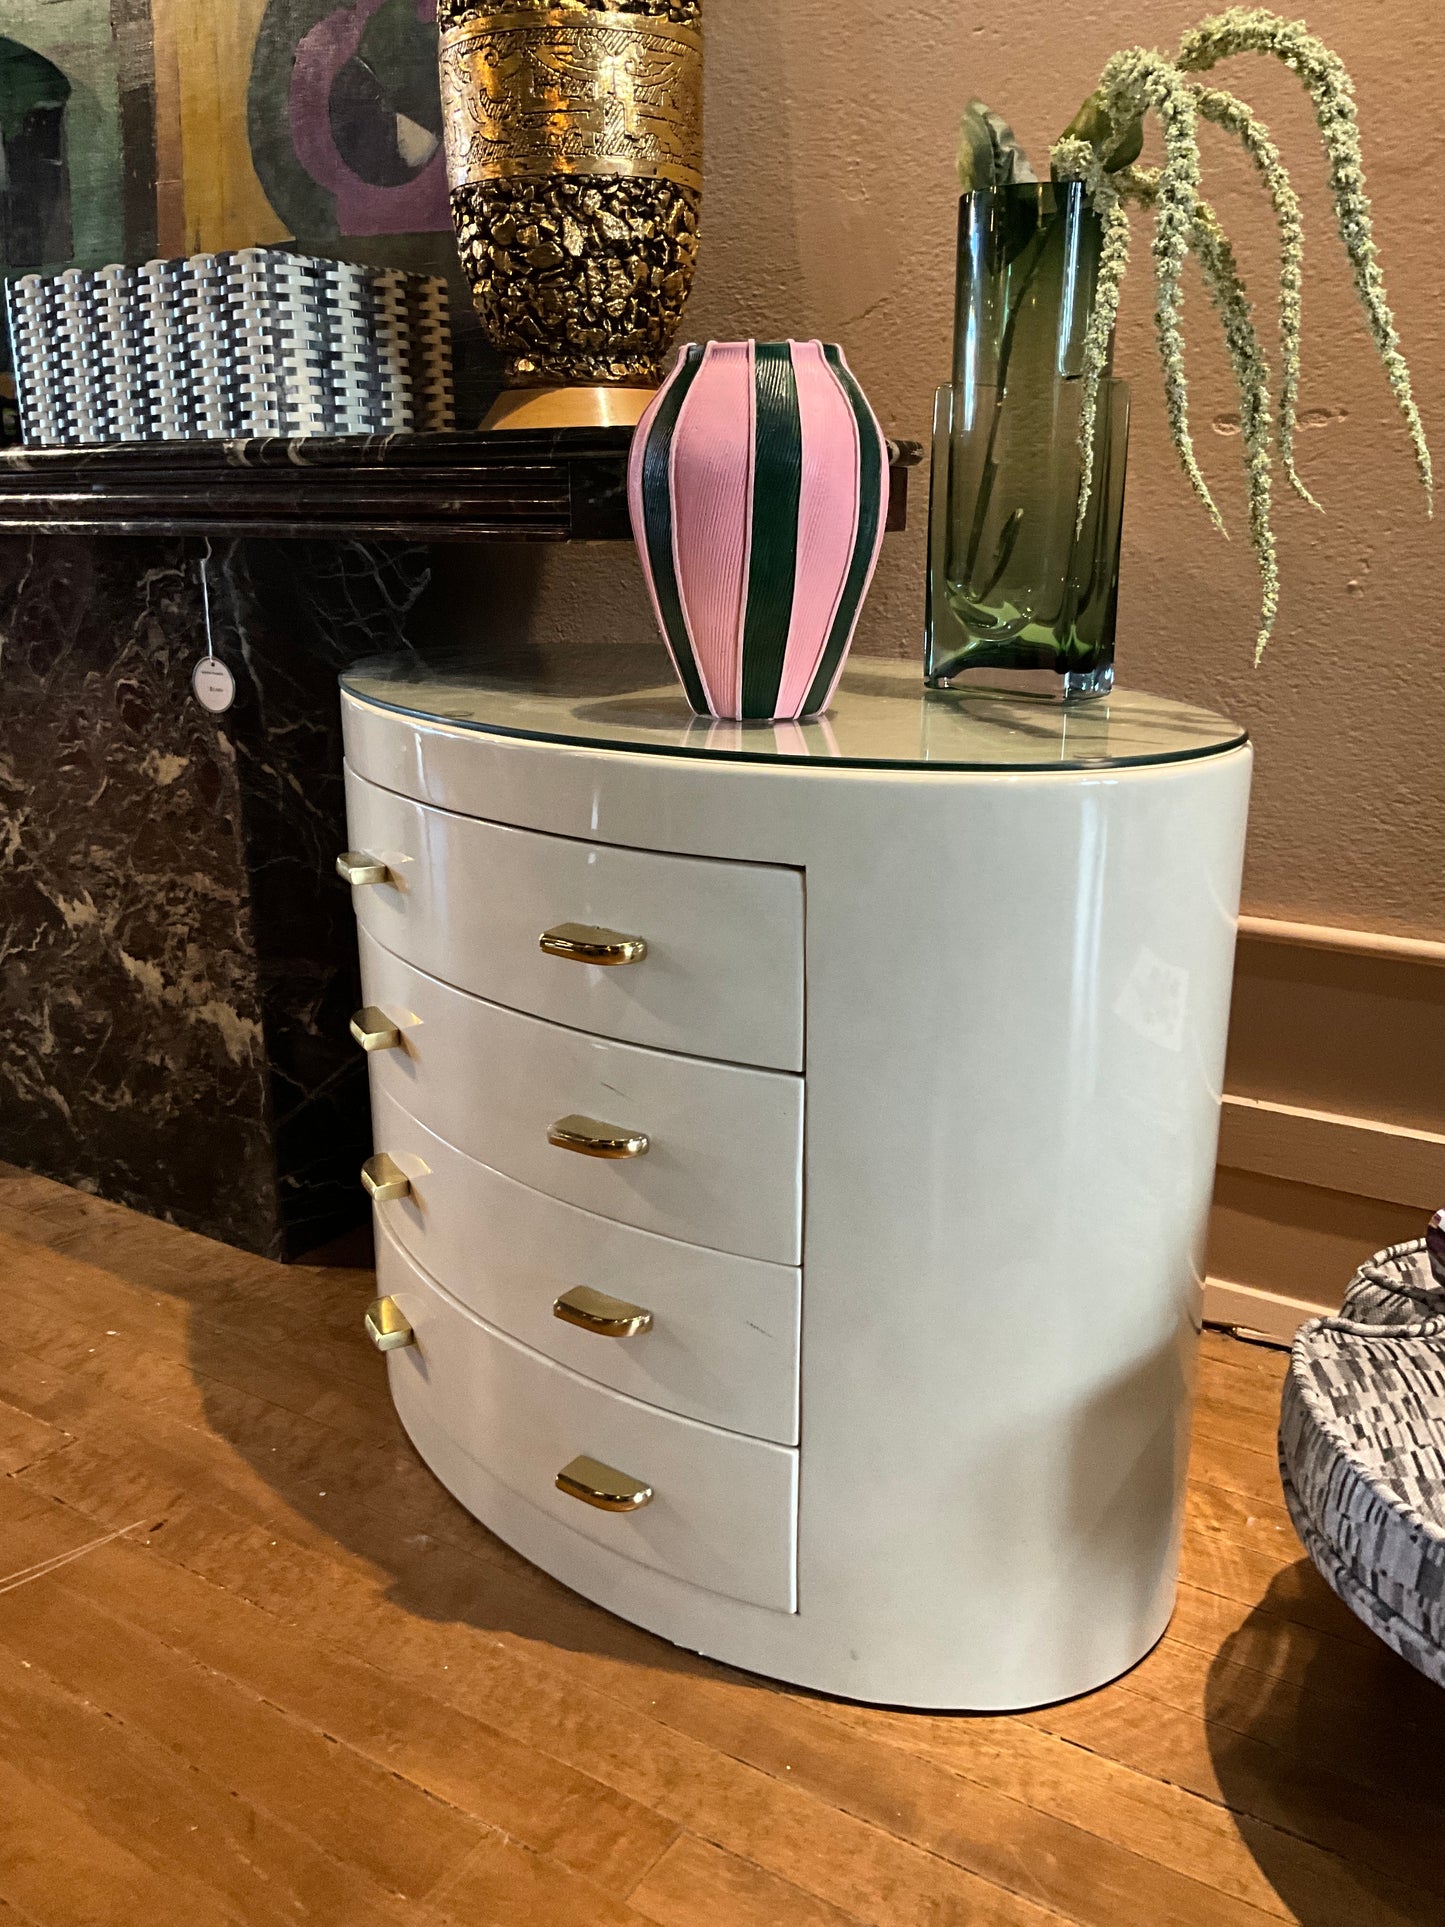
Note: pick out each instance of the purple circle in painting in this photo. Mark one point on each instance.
(350, 122)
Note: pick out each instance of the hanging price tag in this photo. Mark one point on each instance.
(211, 680)
(214, 685)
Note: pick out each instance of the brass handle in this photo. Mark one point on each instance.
(593, 1311)
(356, 867)
(589, 1139)
(383, 1179)
(387, 1329)
(603, 1486)
(583, 943)
(374, 1030)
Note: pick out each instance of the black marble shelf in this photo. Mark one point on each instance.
(560, 486)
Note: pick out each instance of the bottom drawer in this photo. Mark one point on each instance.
(724, 1509)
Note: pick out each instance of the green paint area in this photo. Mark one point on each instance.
(29, 83)
(73, 38)
(35, 223)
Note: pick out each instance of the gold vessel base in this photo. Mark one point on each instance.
(581, 407)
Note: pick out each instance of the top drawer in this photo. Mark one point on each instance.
(469, 902)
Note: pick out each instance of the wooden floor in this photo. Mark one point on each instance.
(256, 1667)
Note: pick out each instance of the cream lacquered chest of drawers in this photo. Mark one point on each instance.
(794, 1148)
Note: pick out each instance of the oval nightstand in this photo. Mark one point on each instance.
(929, 996)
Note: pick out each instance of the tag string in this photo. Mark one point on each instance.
(206, 599)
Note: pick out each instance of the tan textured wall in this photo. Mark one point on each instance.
(830, 211)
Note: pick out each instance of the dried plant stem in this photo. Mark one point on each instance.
(1236, 117)
(1249, 30)
(1132, 82)
(1113, 261)
(1107, 130)
(1226, 287)
(1211, 248)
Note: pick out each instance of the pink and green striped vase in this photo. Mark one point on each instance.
(758, 485)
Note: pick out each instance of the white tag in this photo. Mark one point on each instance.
(214, 685)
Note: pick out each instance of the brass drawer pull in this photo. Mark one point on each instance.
(387, 1329)
(582, 943)
(383, 1179)
(589, 1139)
(374, 1030)
(356, 867)
(603, 1486)
(593, 1311)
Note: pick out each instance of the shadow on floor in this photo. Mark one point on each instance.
(288, 1380)
(1319, 1738)
(491, 1588)
(1323, 1733)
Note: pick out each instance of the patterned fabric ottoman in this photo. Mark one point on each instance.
(1362, 1448)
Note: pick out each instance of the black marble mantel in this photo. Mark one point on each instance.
(556, 485)
(177, 954)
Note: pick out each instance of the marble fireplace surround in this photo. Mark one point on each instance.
(177, 954)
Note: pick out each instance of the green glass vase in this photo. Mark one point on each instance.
(1020, 591)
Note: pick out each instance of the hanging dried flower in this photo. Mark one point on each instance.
(1237, 118)
(1211, 249)
(1251, 30)
(1113, 264)
(1100, 148)
(1132, 83)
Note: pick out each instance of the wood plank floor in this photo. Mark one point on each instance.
(256, 1667)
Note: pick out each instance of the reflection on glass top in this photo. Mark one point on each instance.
(609, 696)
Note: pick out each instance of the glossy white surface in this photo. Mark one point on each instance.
(723, 1515)
(628, 698)
(468, 901)
(1017, 997)
(724, 1342)
(725, 1164)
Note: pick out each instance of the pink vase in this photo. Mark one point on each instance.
(758, 485)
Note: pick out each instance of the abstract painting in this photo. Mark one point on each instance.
(131, 128)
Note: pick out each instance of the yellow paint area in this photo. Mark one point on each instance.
(207, 193)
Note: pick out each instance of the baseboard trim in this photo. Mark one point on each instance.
(1356, 1155)
(1269, 1313)
(1332, 1134)
(1365, 943)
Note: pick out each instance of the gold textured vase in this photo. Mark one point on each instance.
(574, 151)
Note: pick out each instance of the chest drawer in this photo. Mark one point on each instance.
(721, 1337)
(470, 901)
(723, 1511)
(724, 1146)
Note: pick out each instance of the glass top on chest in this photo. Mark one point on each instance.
(608, 696)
